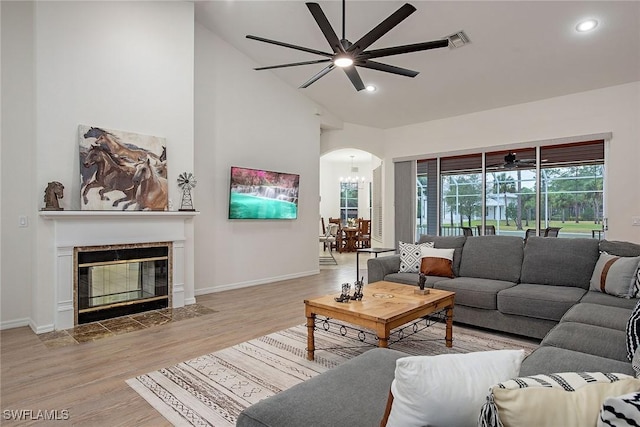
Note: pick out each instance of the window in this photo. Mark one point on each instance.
(510, 196)
(461, 193)
(566, 182)
(348, 201)
(571, 188)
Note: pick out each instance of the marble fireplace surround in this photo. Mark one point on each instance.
(97, 228)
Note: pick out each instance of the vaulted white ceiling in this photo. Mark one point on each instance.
(520, 51)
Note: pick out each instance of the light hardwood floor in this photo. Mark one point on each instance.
(88, 379)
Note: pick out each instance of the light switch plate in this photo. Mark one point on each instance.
(635, 220)
(23, 221)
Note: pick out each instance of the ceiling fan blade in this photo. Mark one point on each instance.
(382, 28)
(407, 48)
(387, 68)
(290, 46)
(353, 75)
(325, 27)
(293, 64)
(317, 77)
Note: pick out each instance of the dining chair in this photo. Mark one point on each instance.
(339, 243)
(324, 230)
(364, 233)
(551, 231)
(327, 239)
(489, 230)
(467, 231)
(530, 232)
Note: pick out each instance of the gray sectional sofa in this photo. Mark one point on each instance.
(539, 289)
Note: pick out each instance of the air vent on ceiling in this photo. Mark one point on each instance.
(458, 39)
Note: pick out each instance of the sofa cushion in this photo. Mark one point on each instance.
(619, 248)
(539, 301)
(492, 257)
(598, 315)
(559, 262)
(474, 292)
(447, 242)
(316, 402)
(609, 300)
(583, 338)
(559, 399)
(411, 256)
(547, 360)
(615, 275)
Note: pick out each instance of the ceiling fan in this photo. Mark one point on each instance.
(512, 162)
(347, 55)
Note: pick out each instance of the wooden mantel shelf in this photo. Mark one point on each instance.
(62, 215)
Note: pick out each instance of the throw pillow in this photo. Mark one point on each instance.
(411, 256)
(564, 399)
(633, 331)
(448, 389)
(615, 275)
(620, 411)
(437, 262)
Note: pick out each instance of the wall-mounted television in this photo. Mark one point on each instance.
(262, 194)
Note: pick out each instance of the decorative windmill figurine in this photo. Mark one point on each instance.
(186, 182)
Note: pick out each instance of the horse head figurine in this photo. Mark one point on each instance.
(52, 193)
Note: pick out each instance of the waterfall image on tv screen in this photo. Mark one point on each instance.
(260, 194)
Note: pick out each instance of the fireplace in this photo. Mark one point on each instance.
(101, 230)
(117, 280)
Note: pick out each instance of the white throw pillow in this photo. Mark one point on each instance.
(447, 390)
(411, 256)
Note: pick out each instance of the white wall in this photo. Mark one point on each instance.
(614, 109)
(250, 119)
(18, 163)
(119, 65)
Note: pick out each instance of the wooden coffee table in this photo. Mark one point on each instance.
(385, 306)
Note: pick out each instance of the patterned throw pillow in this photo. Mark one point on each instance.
(633, 331)
(615, 275)
(564, 399)
(620, 411)
(411, 256)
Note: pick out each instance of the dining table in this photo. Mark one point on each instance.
(350, 239)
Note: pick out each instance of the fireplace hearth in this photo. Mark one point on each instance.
(117, 280)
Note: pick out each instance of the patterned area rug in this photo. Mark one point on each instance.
(213, 389)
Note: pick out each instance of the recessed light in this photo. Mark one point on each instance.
(371, 88)
(588, 25)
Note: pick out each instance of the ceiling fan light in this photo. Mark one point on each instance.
(588, 25)
(343, 61)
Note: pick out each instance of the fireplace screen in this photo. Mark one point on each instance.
(115, 282)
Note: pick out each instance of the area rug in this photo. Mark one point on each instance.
(211, 390)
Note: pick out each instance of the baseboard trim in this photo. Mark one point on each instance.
(264, 281)
(15, 323)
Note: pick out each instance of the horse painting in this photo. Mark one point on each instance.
(152, 191)
(109, 161)
(111, 174)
